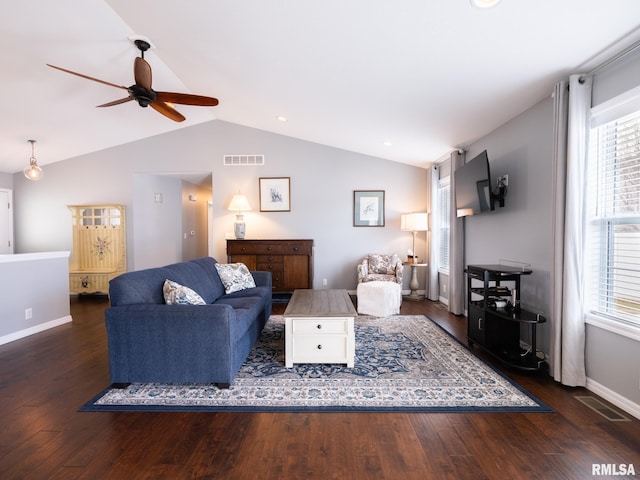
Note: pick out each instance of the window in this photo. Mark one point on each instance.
(443, 209)
(613, 220)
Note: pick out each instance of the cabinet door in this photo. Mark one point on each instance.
(248, 260)
(476, 325)
(296, 272)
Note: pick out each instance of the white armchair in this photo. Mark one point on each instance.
(380, 267)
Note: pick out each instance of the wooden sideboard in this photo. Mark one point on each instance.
(289, 261)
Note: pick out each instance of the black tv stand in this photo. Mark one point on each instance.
(508, 333)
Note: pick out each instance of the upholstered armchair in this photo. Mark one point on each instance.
(379, 267)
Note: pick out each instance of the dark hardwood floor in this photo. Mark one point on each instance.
(45, 378)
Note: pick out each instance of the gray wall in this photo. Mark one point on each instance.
(322, 183)
(6, 181)
(39, 282)
(521, 230)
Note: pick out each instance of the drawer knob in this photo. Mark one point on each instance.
(319, 347)
(295, 249)
(319, 326)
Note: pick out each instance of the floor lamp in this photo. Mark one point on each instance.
(414, 223)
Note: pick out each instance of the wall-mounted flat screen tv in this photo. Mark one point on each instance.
(473, 186)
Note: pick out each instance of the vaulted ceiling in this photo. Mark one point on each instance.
(425, 76)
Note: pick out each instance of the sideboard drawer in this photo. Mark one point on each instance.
(269, 267)
(269, 248)
(301, 248)
(240, 248)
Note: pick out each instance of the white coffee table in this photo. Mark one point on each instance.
(319, 328)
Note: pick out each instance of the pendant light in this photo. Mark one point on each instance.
(33, 171)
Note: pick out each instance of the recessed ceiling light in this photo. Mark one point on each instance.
(282, 118)
(484, 3)
(387, 143)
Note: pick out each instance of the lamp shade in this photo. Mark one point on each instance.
(464, 212)
(414, 222)
(239, 203)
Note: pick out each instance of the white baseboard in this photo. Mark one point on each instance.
(35, 329)
(618, 400)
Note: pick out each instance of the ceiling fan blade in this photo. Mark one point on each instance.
(88, 77)
(187, 99)
(116, 102)
(167, 111)
(142, 73)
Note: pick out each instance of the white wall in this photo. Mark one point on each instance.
(322, 183)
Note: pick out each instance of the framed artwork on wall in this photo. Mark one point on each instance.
(275, 194)
(368, 208)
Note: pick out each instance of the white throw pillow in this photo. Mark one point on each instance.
(176, 294)
(235, 276)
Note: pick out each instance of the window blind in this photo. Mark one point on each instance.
(613, 226)
(444, 202)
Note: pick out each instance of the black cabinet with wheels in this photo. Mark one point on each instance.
(495, 320)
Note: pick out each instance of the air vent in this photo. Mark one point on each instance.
(243, 160)
(604, 410)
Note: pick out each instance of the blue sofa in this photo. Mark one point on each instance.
(150, 341)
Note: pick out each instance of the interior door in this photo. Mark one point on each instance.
(6, 222)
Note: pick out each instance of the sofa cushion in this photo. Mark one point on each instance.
(235, 277)
(176, 294)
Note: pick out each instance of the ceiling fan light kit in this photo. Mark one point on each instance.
(141, 91)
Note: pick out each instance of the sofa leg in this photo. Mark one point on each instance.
(222, 385)
(120, 386)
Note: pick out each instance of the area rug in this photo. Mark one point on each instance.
(403, 363)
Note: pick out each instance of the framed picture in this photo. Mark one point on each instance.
(275, 194)
(368, 208)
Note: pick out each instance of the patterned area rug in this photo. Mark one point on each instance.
(403, 363)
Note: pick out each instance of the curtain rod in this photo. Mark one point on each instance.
(613, 59)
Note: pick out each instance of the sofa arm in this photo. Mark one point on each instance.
(262, 279)
(172, 343)
(363, 269)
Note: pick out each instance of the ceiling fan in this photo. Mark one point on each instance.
(142, 92)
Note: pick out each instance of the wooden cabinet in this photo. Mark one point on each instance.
(507, 332)
(289, 261)
(99, 247)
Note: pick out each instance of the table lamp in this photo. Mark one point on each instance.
(239, 204)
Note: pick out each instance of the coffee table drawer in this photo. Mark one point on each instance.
(320, 348)
(320, 326)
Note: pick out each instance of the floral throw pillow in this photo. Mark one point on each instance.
(381, 264)
(235, 276)
(176, 294)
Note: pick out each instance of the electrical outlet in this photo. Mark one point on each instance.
(503, 180)
(28, 313)
(324, 282)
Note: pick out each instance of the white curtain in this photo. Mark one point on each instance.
(572, 103)
(456, 244)
(433, 292)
